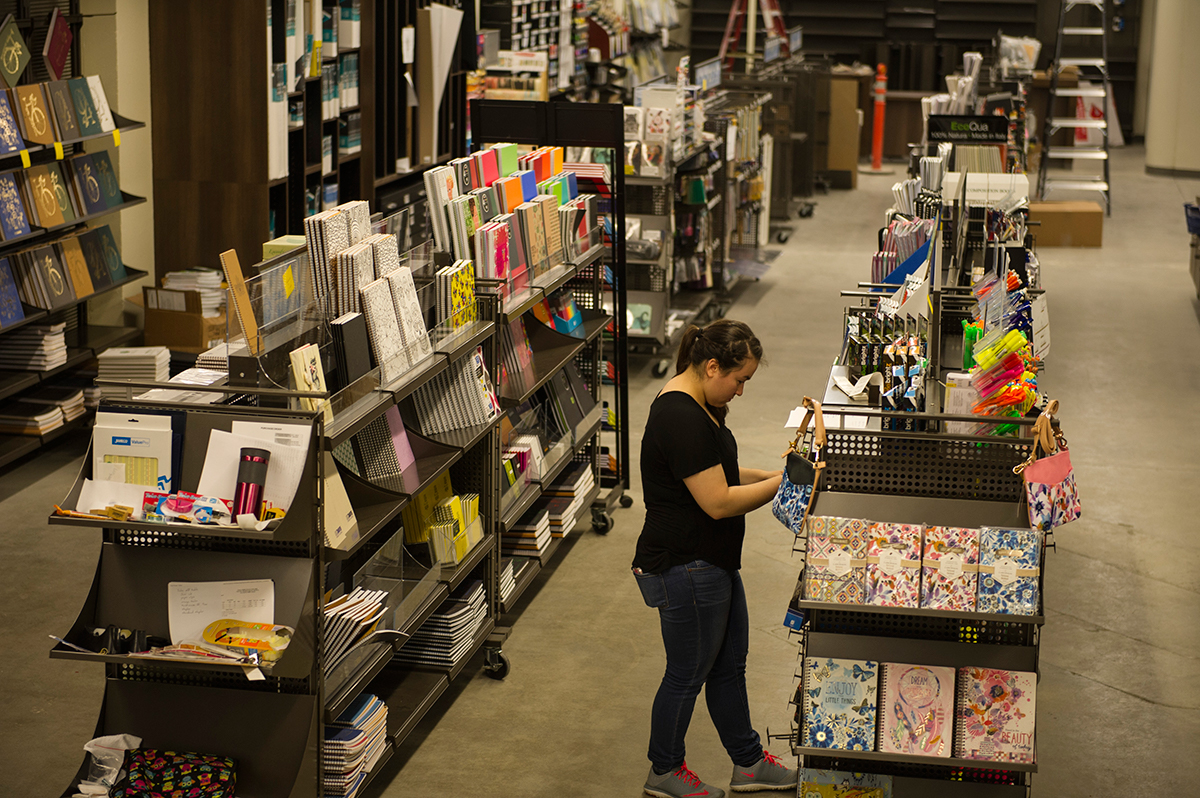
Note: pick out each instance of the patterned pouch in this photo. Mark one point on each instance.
(151, 773)
(1049, 481)
(798, 488)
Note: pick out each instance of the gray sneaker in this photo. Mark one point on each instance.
(768, 774)
(681, 783)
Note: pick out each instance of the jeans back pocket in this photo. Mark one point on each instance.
(654, 589)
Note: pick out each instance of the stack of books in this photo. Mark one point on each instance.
(29, 418)
(528, 537)
(206, 282)
(516, 359)
(353, 745)
(455, 528)
(445, 639)
(142, 363)
(348, 619)
(461, 396)
(572, 488)
(69, 399)
(456, 296)
(570, 400)
(508, 580)
(35, 347)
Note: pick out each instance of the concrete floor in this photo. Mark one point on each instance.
(1120, 687)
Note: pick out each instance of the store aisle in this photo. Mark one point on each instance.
(1120, 660)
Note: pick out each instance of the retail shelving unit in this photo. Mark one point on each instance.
(84, 340)
(920, 478)
(212, 188)
(581, 125)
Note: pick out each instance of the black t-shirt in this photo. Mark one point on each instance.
(681, 440)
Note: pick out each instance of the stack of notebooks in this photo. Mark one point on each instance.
(35, 347)
(986, 158)
(921, 710)
(348, 619)
(454, 528)
(528, 537)
(72, 268)
(57, 194)
(456, 296)
(30, 418)
(567, 495)
(395, 321)
(67, 398)
(353, 745)
(327, 234)
(142, 363)
(445, 639)
(215, 359)
(206, 282)
(508, 579)
(382, 454)
(462, 396)
(570, 399)
(517, 374)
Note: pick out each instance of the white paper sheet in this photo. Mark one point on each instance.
(191, 606)
(96, 494)
(219, 476)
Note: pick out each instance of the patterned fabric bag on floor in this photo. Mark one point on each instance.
(1049, 479)
(802, 472)
(168, 774)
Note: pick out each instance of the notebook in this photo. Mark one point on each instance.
(950, 568)
(995, 715)
(827, 783)
(1009, 565)
(916, 709)
(837, 560)
(839, 699)
(894, 565)
(387, 343)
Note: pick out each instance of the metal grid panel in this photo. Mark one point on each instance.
(647, 278)
(868, 462)
(649, 200)
(924, 627)
(178, 540)
(920, 770)
(197, 678)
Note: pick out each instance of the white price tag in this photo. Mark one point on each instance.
(1040, 313)
(839, 562)
(891, 561)
(950, 565)
(408, 39)
(1005, 571)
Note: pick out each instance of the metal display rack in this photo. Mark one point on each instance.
(938, 480)
(583, 125)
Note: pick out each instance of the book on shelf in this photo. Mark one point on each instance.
(85, 107)
(460, 397)
(382, 454)
(308, 375)
(387, 340)
(894, 565)
(40, 196)
(529, 535)
(837, 557)
(35, 347)
(14, 221)
(353, 745)
(100, 103)
(407, 305)
(445, 638)
(1009, 568)
(85, 180)
(107, 176)
(996, 710)
(950, 569)
(348, 619)
(464, 221)
(57, 47)
(533, 236)
(352, 346)
(506, 154)
(418, 512)
(516, 357)
(62, 195)
(838, 701)
(441, 187)
(16, 52)
(518, 258)
(816, 783)
(59, 95)
(916, 709)
(10, 132)
(11, 310)
(23, 417)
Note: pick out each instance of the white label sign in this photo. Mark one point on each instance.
(839, 562)
(891, 561)
(1040, 313)
(1005, 571)
(951, 565)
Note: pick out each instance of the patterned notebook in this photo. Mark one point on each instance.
(916, 709)
(869, 785)
(894, 565)
(812, 790)
(408, 310)
(386, 342)
(995, 715)
(836, 569)
(839, 703)
(1009, 565)
(950, 568)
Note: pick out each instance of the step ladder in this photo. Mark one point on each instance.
(1094, 69)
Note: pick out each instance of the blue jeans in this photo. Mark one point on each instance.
(706, 631)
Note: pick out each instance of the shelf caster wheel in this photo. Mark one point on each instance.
(626, 501)
(497, 664)
(660, 369)
(602, 522)
(782, 237)
(806, 211)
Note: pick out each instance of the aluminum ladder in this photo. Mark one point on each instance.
(1095, 69)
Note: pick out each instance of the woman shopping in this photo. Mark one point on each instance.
(688, 558)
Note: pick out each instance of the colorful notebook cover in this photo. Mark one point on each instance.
(45, 203)
(108, 179)
(112, 255)
(10, 133)
(93, 255)
(507, 155)
(85, 108)
(56, 279)
(837, 558)
(995, 715)
(916, 709)
(839, 703)
(63, 109)
(869, 785)
(950, 568)
(13, 221)
(71, 254)
(16, 52)
(810, 790)
(894, 565)
(62, 194)
(11, 311)
(1009, 565)
(87, 184)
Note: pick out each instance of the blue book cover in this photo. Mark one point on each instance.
(10, 134)
(572, 185)
(839, 702)
(11, 311)
(87, 181)
(1009, 564)
(528, 184)
(112, 255)
(13, 221)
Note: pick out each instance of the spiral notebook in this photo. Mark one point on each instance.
(1009, 567)
(894, 565)
(838, 702)
(995, 715)
(916, 709)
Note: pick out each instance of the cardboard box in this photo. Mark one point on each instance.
(843, 132)
(1067, 224)
(174, 320)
